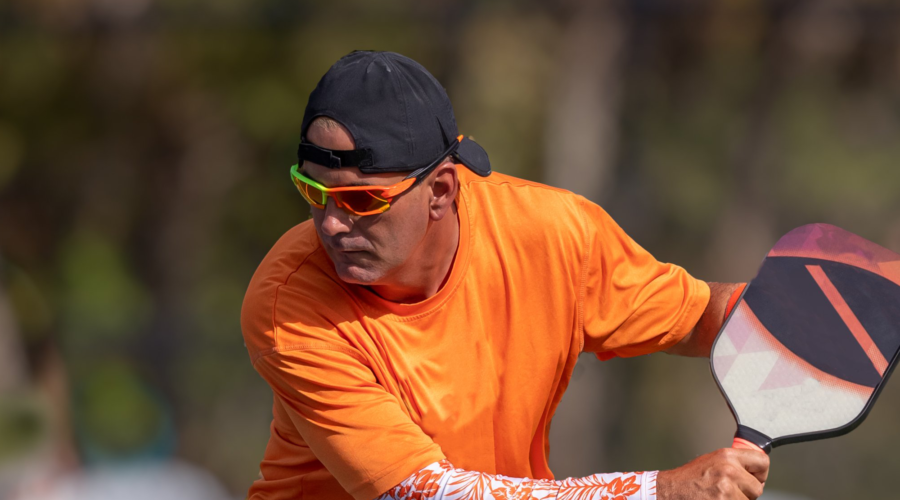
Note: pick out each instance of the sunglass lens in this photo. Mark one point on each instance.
(313, 196)
(362, 202)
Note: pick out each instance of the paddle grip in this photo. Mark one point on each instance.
(745, 445)
(749, 439)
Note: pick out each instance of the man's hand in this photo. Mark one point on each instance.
(726, 474)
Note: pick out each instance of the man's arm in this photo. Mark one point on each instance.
(441, 481)
(725, 474)
(698, 343)
(329, 403)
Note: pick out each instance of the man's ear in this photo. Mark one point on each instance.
(444, 186)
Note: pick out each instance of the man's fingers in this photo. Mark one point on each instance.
(754, 462)
(749, 485)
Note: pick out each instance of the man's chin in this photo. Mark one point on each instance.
(356, 275)
(357, 268)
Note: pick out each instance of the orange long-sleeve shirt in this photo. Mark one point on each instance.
(367, 392)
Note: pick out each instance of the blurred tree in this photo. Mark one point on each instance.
(13, 373)
(581, 136)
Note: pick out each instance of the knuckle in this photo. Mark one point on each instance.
(730, 455)
(723, 452)
(756, 491)
(728, 470)
(719, 457)
(723, 486)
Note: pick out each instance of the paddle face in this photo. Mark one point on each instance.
(813, 338)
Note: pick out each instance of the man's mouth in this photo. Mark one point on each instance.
(348, 247)
(348, 250)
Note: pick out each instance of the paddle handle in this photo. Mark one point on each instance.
(745, 445)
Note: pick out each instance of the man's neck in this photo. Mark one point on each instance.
(435, 254)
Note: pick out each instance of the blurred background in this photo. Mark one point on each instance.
(144, 155)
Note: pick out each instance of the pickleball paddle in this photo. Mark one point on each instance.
(812, 340)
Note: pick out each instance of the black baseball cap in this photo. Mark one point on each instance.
(398, 114)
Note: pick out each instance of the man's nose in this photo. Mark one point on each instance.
(336, 220)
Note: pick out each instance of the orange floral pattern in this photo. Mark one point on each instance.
(440, 481)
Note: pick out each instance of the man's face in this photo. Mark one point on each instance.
(366, 250)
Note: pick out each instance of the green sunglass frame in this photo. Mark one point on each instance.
(382, 194)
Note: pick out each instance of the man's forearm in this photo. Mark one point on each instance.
(440, 481)
(698, 343)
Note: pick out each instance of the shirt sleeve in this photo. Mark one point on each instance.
(632, 303)
(359, 431)
(441, 481)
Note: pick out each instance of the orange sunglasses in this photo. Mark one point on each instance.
(361, 200)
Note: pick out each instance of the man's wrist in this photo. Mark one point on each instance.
(732, 301)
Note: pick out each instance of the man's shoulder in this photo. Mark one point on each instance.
(295, 252)
(498, 181)
(526, 208)
(289, 289)
(522, 196)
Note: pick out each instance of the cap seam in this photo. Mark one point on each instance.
(398, 87)
(411, 144)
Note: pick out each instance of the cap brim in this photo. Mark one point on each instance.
(474, 157)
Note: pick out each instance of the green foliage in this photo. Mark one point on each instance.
(23, 425)
(115, 413)
(102, 302)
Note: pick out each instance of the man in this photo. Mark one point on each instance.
(420, 331)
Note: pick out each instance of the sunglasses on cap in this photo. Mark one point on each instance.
(362, 200)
